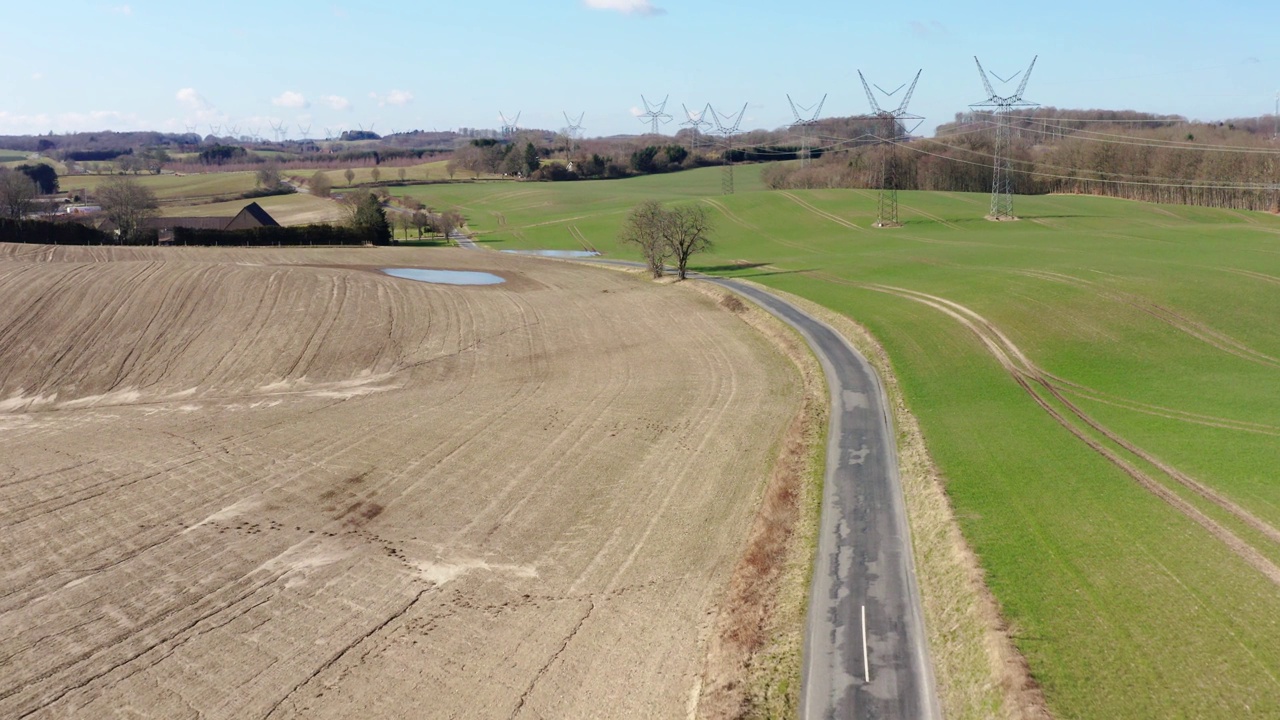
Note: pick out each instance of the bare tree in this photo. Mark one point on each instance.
(127, 203)
(268, 175)
(663, 234)
(643, 228)
(376, 174)
(350, 175)
(401, 173)
(17, 194)
(320, 184)
(687, 230)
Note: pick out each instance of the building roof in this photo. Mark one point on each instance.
(252, 215)
(256, 211)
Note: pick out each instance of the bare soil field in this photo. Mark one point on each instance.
(242, 483)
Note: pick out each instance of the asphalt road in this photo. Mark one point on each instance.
(864, 561)
(865, 654)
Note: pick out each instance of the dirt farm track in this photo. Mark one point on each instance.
(265, 483)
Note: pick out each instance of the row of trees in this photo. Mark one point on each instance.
(1126, 154)
(488, 156)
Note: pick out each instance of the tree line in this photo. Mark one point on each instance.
(1155, 158)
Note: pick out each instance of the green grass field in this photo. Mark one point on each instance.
(174, 188)
(9, 156)
(1039, 356)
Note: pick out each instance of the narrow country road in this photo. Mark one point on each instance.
(865, 652)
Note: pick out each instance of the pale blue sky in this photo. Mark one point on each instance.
(167, 64)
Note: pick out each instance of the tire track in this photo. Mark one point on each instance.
(822, 213)
(1028, 375)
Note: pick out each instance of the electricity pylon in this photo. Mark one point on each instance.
(696, 121)
(509, 127)
(655, 114)
(304, 131)
(804, 123)
(890, 130)
(571, 130)
(278, 130)
(727, 127)
(1001, 179)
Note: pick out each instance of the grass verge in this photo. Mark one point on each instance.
(979, 673)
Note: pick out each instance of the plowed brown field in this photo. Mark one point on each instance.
(260, 483)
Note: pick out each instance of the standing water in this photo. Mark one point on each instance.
(445, 277)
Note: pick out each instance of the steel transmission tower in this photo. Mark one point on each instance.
(804, 122)
(1002, 176)
(696, 121)
(655, 114)
(727, 127)
(571, 131)
(890, 130)
(509, 127)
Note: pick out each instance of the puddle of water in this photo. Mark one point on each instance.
(556, 253)
(445, 277)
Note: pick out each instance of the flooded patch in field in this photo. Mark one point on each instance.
(556, 253)
(445, 277)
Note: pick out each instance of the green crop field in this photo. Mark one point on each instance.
(171, 188)
(1099, 383)
(7, 156)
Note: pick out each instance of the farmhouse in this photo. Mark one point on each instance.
(251, 216)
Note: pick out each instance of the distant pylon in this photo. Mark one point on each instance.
(696, 121)
(1002, 170)
(655, 114)
(727, 127)
(509, 127)
(571, 130)
(890, 130)
(804, 123)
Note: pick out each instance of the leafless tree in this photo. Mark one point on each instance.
(376, 174)
(687, 230)
(350, 175)
(127, 203)
(643, 228)
(663, 234)
(17, 194)
(268, 175)
(320, 184)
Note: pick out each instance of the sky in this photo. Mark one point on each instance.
(398, 65)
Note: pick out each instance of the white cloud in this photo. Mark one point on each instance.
(626, 7)
(636, 112)
(337, 102)
(122, 10)
(289, 99)
(37, 76)
(395, 97)
(192, 99)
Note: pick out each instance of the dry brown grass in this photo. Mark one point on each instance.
(979, 673)
(754, 653)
